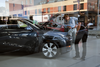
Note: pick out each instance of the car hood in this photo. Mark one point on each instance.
(54, 33)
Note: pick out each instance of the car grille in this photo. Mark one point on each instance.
(49, 37)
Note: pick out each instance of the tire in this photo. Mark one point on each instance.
(49, 50)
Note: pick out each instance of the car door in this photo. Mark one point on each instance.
(3, 38)
(22, 35)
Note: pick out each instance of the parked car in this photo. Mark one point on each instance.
(20, 34)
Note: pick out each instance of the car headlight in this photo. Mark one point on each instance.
(65, 37)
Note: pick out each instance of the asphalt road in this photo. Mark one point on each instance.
(19, 59)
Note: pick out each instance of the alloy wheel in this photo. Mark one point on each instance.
(49, 50)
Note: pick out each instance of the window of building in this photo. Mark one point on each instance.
(26, 2)
(75, 7)
(13, 5)
(93, 6)
(48, 10)
(81, 6)
(25, 12)
(39, 11)
(64, 8)
(22, 2)
(28, 12)
(44, 10)
(30, 1)
(81, 0)
(59, 9)
(22, 6)
(36, 11)
(47, 1)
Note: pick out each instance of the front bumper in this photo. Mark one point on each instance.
(61, 42)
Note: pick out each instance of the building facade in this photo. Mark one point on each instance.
(16, 7)
(86, 8)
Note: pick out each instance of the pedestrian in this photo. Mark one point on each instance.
(71, 24)
(81, 34)
(31, 18)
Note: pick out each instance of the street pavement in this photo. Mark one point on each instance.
(19, 59)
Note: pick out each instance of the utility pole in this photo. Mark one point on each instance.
(98, 15)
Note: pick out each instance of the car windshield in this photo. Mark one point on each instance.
(30, 21)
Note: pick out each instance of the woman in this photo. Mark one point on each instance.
(81, 34)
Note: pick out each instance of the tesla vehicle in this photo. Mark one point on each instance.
(20, 34)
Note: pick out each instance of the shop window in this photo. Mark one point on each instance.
(48, 10)
(75, 7)
(81, 6)
(64, 8)
(59, 9)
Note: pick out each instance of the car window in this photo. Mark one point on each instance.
(12, 22)
(30, 21)
(21, 24)
(2, 22)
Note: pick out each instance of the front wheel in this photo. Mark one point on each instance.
(50, 50)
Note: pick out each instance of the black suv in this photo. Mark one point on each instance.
(21, 34)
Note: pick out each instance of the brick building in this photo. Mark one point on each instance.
(16, 7)
(88, 8)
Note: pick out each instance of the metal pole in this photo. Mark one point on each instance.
(98, 15)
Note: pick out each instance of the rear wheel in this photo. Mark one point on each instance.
(50, 50)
